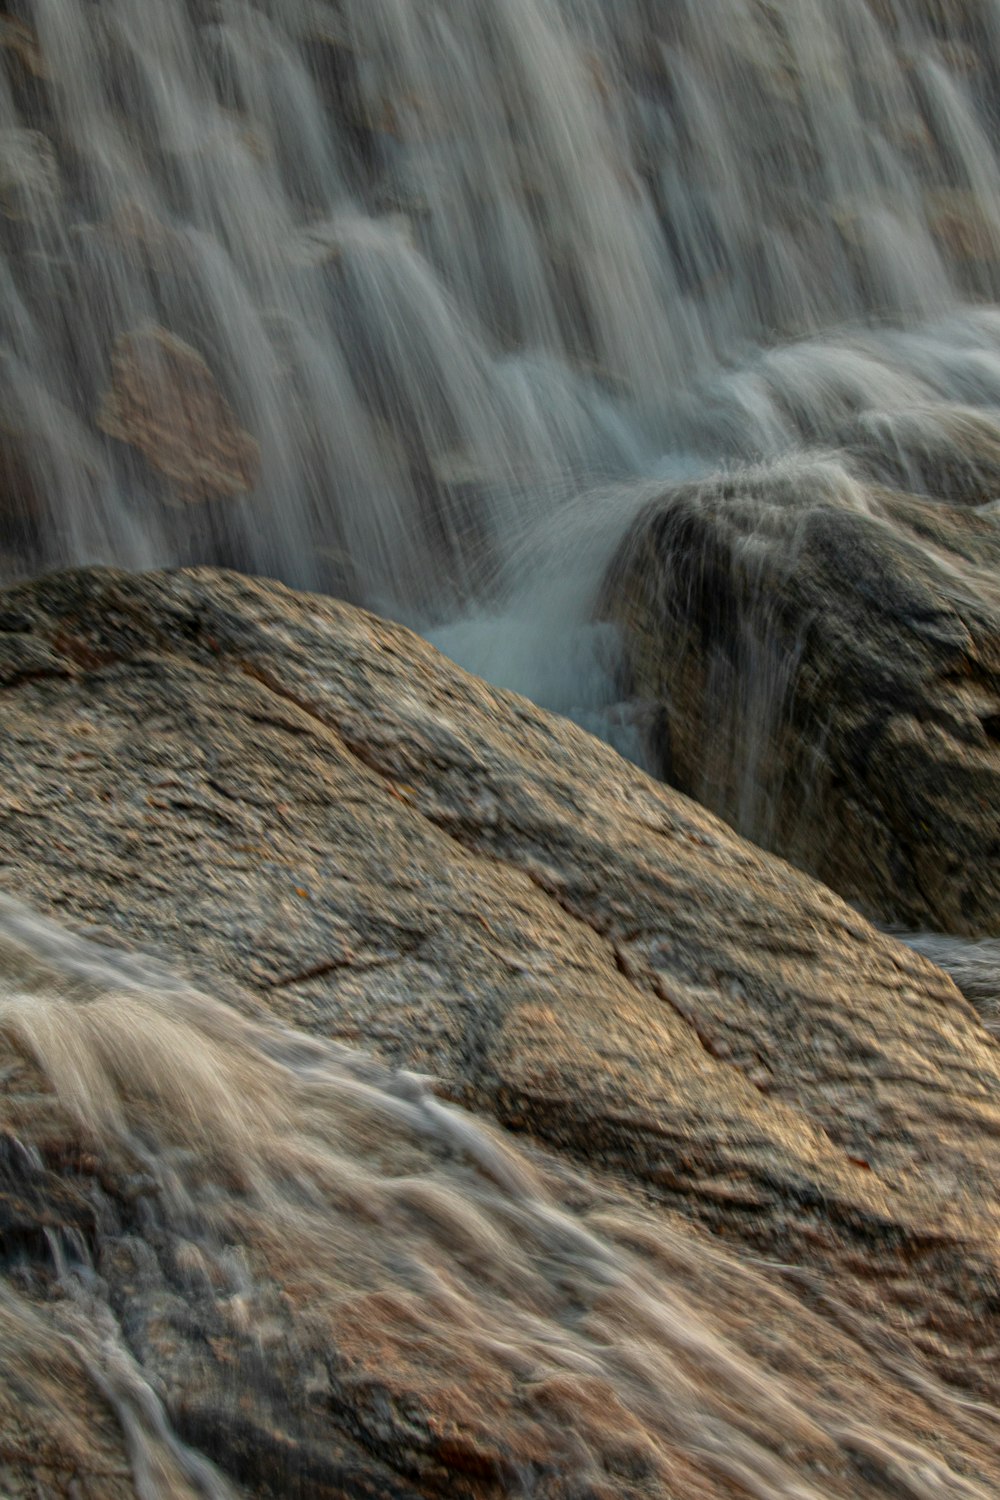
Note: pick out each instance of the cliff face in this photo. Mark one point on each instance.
(781, 1126)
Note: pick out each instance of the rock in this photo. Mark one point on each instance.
(826, 662)
(58, 1440)
(165, 402)
(135, 230)
(946, 451)
(20, 503)
(974, 966)
(774, 1128)
(322, 245)
(20, 43)
(29, 177)
(963, 226)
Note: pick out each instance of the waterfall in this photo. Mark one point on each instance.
(417, 303)
(397, 300)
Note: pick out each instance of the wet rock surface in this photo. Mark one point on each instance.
(29, 176)
(707, 1056)
(164, 401)
(823, 658)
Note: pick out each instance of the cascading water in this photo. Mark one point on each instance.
(301, 1210)
(399, 299)
(363, 293)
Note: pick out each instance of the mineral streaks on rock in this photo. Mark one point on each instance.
(332, 826)
(166, 403)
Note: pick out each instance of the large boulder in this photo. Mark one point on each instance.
(820, 659)
(734, 1231)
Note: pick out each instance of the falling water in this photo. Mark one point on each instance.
(397, 299)
(412, 301)
(305, 1214)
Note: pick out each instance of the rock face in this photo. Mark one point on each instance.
(736, 1229)
(165, 402)
(824, 660)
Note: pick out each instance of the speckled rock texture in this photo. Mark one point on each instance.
(323, 822)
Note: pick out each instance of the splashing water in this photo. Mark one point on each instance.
(363, 293)
(305, 1212)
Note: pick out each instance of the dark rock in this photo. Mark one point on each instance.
(827, 658)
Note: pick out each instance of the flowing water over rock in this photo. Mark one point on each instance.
(408, 302)
(425, 303)
(360, 292)
(231, 1238)
(733, 1231)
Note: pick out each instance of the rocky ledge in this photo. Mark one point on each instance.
(706, 1057)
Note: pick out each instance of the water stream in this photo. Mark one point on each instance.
(417, 302)
(462, 271)
(327, 1227)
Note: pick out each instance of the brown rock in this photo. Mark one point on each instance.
(775, 1129)
(165, 402)
(963, 227)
